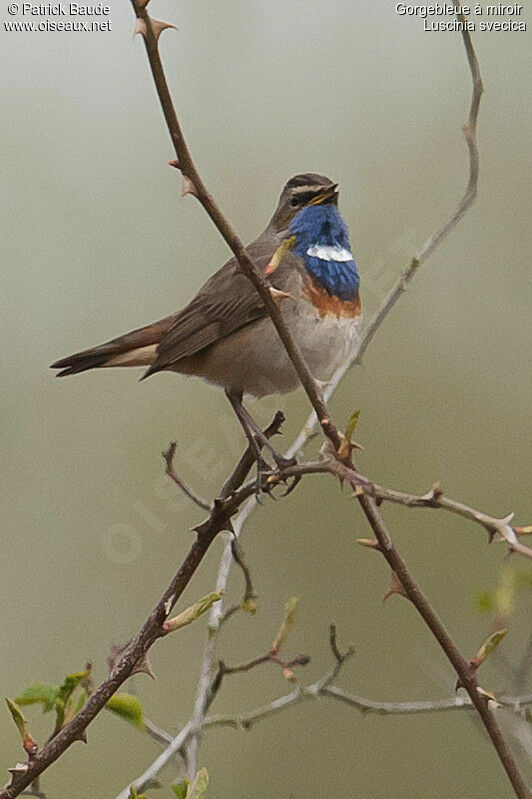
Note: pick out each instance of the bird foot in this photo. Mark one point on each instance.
(261, 480)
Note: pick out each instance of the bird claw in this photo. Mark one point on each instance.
(261, 481)
(293, 484)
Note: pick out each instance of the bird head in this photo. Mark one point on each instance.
(299, 192)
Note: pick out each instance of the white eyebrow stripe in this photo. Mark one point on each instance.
(328, 252)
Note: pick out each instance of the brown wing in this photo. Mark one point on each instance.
(227, 302)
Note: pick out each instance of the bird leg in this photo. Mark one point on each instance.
(254, 434)
(235, 398)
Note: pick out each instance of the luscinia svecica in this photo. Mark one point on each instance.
(224, 334)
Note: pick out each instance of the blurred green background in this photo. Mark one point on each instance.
(96, 241)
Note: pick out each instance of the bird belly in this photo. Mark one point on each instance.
(254, 360)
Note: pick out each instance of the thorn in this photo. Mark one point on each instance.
(158, 27)
(140, 27)
(18, 768)
(434, 495)
(142, 666)
(279, 296)
(487, 694)
(168, 604)
(187, 187)
(174, 163)
(395, 588)
(436, 491)
(507, 519)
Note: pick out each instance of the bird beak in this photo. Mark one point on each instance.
(326, 194)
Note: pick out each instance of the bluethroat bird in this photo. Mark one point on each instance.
(224, 334)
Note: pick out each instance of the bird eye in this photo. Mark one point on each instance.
(294, 200)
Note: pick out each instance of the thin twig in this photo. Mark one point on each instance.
(168, 456)
(189, 730)
(245, 721)
(435, 498)
(321, 687)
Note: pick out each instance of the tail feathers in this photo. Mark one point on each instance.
(79, 362)
(132, 349)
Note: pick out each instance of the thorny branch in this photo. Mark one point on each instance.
(435, 498)
(225, 507)
(168, 456)
(323, 687)
(24, 774)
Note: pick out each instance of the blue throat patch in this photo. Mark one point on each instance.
(322, 241)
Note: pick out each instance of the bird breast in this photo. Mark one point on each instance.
(254, 360)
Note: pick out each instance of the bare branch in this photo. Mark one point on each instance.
(470, 133)
(238, 557)
(435, 498)
(513, 703)
(168, 456)
(246, 720)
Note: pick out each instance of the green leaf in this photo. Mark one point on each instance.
(484, 601)
(286, 626)
(134, 795)
(70, 683)
(195, 789)
(489, 646)
(192, 613)
(351, 425)
(18, 718)
(198, 786)
(39, 693)
(128, 708)
(66, 689)
(28, 744)
(74, 705)
(180, 789)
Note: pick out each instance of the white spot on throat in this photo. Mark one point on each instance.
(330, 252)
